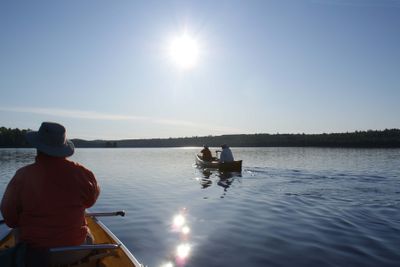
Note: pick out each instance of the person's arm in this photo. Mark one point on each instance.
(10, 206)
(222, 156)
(91, 191)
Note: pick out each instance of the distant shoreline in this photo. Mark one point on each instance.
(388, 138)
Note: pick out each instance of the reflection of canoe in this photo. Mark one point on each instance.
(235, 166)
(108, 250)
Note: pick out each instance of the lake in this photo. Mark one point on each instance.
(288, 207)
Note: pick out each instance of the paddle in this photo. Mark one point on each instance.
(103, 214)
(97, 214)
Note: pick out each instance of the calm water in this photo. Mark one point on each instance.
(289, 206)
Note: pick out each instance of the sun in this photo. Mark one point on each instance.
(184, 51)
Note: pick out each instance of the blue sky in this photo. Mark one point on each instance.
(102, 68)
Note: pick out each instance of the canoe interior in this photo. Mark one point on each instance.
(7, 241)
(117, 257)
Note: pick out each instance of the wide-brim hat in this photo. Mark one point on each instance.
(51, 140)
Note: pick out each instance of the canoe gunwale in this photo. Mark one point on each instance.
(85, 247)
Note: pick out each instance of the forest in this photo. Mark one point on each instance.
(388, 138)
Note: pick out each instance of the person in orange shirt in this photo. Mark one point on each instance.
(206, 153)
(46, 201)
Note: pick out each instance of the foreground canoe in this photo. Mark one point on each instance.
(235, 166)
(108, 250)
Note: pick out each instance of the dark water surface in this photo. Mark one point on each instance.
(289, 206)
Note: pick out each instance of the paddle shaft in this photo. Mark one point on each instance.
(96, 214)
(103, 214)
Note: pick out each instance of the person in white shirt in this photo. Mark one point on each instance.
(226, 154)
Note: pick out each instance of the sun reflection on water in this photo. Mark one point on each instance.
(178, 222)
(185, 230)
(182, 251)
(168, 264)
(180, 255)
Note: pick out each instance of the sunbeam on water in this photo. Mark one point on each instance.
(179, 221)
(168, 264)
(181, 230)
(182, 251)
(185, 230)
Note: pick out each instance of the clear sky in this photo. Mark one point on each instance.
(106, 69)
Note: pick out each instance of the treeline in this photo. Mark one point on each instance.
(389, 138)
(12, 137)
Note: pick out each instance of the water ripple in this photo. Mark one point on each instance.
(289, 206)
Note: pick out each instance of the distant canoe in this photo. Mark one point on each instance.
(235, 166)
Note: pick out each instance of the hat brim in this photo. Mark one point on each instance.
(65, 150)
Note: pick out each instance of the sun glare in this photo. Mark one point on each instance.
(179, 220)
(184, 51)
(183, 251)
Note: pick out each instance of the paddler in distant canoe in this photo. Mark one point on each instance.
(226, 154)
(45, 202)
(206, 153)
